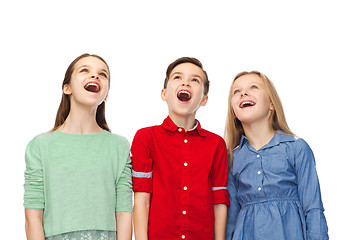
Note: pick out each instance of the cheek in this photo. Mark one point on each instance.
(233, 104)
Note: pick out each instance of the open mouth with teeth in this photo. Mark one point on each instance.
(92, 87)
(184, 95)
(246, 104)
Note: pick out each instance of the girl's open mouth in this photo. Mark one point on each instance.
(184, 95)
(246, 104)
(92, 87)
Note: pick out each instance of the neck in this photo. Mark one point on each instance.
(258, 134)
(185, 122)
(81, 120)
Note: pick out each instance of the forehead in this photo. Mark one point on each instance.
(247, 80)
(188, 69)
(91, 62)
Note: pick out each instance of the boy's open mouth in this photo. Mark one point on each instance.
(246, 104)
(184, 95)
(92, 87)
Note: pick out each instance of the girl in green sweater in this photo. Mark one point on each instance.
(78, 175)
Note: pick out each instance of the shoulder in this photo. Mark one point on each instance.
(119, 139)
(146, 134)
(40, 138)
(301, 146)
(213, 139)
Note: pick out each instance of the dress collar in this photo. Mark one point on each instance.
(169, 125)
(278, 138)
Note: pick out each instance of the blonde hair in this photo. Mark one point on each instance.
(234, 129)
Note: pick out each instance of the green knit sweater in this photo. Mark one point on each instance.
(80, 180)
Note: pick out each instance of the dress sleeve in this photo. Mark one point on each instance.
(309, 192)
(124, 184)
(233, 209)
(142, 168)
(34, 185)
(219, 174)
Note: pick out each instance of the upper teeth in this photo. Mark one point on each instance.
(92, 84)
(183, 91)
(247, 103)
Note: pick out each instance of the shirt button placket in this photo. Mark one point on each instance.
(259, 174)
(185, 178)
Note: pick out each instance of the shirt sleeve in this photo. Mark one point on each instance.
(142, 162)
(124, 184)
(219, 174)
(34, 185)
(309, 192)
(234, 207)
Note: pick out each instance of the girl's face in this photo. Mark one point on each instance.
(89, 83)
(250, 100)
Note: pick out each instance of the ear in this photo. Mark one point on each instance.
(163, 94)
(272, 107)
(67, 89)
(204, 100)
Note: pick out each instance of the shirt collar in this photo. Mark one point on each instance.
(278, 138)
(169, 125)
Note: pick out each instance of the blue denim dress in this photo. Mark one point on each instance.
(274, 192)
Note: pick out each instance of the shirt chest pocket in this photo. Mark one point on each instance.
(275, 162)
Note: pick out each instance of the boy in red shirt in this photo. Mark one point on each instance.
(179, 169)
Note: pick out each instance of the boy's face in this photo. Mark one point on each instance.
(184, 93)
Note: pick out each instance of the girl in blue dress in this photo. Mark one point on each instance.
(273, 185)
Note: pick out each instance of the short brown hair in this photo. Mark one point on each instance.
(187, 60)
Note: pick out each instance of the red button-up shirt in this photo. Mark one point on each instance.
(186, 174)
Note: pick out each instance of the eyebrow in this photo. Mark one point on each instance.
(180, 73)
(86, 66)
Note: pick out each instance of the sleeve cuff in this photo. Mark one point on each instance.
(142, 184)
(221, 196)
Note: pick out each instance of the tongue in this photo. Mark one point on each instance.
(92, 88)
(183, 97)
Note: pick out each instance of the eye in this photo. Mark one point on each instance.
(103, 75)
(254, 87)
(195, 80)
(236, 91)
(176, 77)
(84, 70)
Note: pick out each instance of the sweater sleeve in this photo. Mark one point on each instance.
(309, 192)
(34, 185)
(124, 183)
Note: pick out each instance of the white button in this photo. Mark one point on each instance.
(185, 141)
(180, 130)
(183, 236)
(258, 172)
(259, 188)
(185, 188)
(185, 164)
(258, 155)
(184, 212)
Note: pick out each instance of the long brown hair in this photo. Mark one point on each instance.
(64, 107)
(234, 129)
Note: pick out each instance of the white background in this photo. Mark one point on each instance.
(304, 47)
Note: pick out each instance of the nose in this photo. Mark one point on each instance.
(244, 93)
(94, 77)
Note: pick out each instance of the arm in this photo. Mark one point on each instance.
(219, 174)
(220, 213)
(142, 182)
(309, 192)
(141, 213)
(234, 207)
(123, 208)
(34, 192)
(34, 224)
(123, 225)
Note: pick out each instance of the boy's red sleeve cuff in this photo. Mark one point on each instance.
(221, 197)
(142, 184)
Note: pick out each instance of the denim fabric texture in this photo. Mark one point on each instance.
(274, 192)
